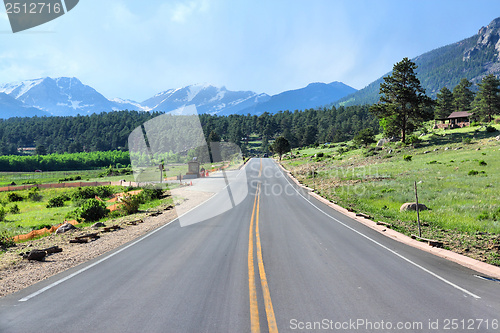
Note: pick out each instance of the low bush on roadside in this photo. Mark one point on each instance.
(92, 210)
(149, 194)
(3, 213)
(57, 201)
(407, 158)
(14, 197)
(14, 209)
(131, 203)
(6, 240)
(34, 194)
(91, 192)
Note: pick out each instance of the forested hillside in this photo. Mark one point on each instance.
(110, 131)
(471, 58)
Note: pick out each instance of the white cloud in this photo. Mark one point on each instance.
(183, 10)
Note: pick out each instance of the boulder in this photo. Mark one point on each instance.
(65, 228)
(98, 225)
(382, 142)
(412, 206)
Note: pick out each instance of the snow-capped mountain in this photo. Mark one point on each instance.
(206, 98)
(62, 96)
(11, 107)
(66, 96)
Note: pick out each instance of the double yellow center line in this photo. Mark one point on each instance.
(254, 307)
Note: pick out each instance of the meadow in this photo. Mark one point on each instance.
(457, 174)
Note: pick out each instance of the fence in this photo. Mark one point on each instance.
(61, 185)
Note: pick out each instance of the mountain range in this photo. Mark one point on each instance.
(472, 58)
(69, 96)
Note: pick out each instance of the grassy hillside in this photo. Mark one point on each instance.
(458, 175)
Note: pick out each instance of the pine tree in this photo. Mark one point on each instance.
(444, 104)
(403, 103)
(463, 96)
(487, 101)
(280, 146)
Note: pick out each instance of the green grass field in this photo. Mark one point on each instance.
(461, 187)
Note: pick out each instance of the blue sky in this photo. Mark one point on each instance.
(135, 49)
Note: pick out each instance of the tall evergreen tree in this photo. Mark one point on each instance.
(403, 103)
(463, 96)
(280, 146)
(444, 104)
(487, 101)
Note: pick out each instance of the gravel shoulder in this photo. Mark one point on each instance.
(17, 273)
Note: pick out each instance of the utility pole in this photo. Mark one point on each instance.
(418, 214)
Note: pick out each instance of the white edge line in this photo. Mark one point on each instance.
(52, 285)
(381, 245)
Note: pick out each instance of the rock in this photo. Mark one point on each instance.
(497, 138)
(446, 148)
(458, 148)
(479, 148)
(436, 149)
(64, 228)
(38, 255)
(427, 152)
(98, 225)
(390, 151)
(382, 142)
(412, 206)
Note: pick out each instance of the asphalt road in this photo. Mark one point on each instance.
(276, 261)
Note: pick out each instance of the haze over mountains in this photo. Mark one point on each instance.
(472, 58)
(69, 96)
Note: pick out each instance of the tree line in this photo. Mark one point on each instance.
(402, 108)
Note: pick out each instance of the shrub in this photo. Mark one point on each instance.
(56, 201)
(92, 192)
(3, 213)
(483, 216)
(14, 197)
(93, 210)
(475, 124)
(496, 214)
(412, 140)
(490, 129)
(14, 209)
(131, 204)
(149, 194)
(6, 240)
(482, 163)
(364, 137)
(320, 154)
(34, 194)
(407, 158)
(473, 172)
(467, 140)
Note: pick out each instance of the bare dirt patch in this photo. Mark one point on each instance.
(17, 273)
